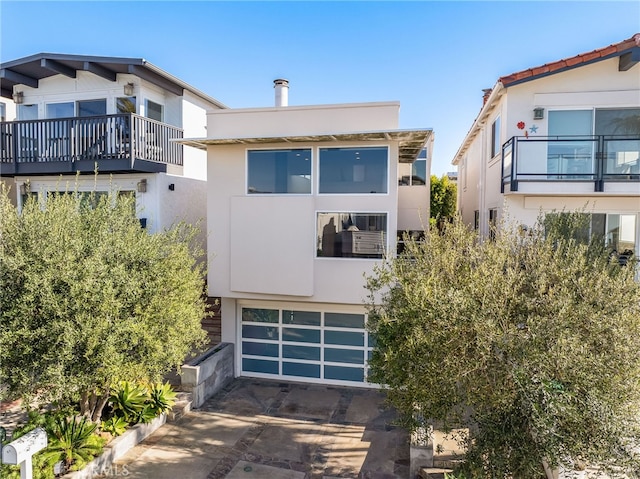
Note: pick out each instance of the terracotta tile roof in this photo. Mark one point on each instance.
(612, 50)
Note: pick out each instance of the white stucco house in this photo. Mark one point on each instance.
(305, 201)
(561, 136)
(66, 115)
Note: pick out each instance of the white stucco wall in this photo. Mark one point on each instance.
(194, 125)
(303, 120)
(413, 207)
(264, 246)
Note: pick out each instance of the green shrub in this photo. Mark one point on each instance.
(115, 425)
(161, 398)
(128, 401)
(135, 403)
(73, 442)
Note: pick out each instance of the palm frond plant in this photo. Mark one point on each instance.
(73, 443)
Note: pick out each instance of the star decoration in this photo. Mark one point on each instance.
(533, 129)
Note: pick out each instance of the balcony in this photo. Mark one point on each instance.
(115, 143)
(573, 165)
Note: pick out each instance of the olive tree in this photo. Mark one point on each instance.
(531, 341)
(89, 298)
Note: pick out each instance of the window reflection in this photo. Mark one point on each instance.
(279, 171)
(353, 170)
(351, 235)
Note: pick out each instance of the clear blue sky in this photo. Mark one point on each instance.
(433, 57)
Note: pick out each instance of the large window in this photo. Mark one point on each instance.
(573, 158)
(92, 107)
(279, 171)
(353, 170)
(495, 137)
(27, 112)
(618, 231)
(352, 235)
(60, 110)
(622, 151)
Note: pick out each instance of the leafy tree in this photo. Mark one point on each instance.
(532, 342)
(88, 298)
(443, 199)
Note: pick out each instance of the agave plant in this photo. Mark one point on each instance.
(161, 398)
(73, 442)
(128, 401)
(115, 425)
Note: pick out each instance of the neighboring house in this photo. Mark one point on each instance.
(76, 113)
(306, 200)
(562, 136)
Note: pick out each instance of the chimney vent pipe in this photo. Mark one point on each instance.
(282, 92)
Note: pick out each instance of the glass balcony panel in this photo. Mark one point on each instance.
(622, 157)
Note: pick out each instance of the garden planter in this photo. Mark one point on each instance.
(117, 448)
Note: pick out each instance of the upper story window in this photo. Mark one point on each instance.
(155, 111)
(279, 171)
(352, 235)
(3, 112)
(92, 107)
(126, 104)
(353, 170)
(418, 171)
(82, 108)
(495, 137)
(27, 112)
(60, 110)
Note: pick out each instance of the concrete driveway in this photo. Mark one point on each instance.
(269, 429)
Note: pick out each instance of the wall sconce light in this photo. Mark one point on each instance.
(538, 113)
(143, 223)
(25, 189)
(18, 98)
(129, 89)
(172, 186)
(142, 186)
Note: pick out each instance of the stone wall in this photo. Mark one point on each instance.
(207, 374)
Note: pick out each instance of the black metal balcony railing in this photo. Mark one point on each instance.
(122, 142)
(598, 159)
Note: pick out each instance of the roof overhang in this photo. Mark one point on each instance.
(30, 70)
(496, 92)
(410, 141)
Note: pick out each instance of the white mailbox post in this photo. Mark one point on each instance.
(22, 449)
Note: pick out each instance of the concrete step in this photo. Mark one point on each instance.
(434, 472)
(181, 407)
